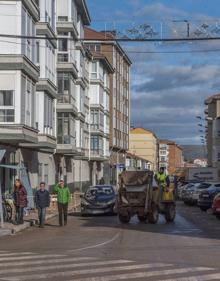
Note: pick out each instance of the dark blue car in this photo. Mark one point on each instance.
(99, 199)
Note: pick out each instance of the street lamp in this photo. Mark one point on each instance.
(187, 24)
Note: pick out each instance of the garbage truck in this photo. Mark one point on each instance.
(137, 195)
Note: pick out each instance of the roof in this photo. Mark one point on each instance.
(84, 11)
(105, 61)
(170, 142)
(105, 37)
(134, 156)
(142, 131)
(212, 98)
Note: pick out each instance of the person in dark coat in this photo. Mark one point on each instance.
(42, 200)
(20, 200)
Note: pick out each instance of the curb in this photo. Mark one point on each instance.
(25, 225)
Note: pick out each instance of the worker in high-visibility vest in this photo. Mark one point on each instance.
(162, 178)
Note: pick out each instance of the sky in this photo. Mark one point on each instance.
(169, 81)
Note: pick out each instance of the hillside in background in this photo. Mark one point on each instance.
(191, 152)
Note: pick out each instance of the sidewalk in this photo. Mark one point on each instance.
(32, 218)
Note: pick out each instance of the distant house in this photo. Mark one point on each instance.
(144, 144)
(201, 162)
(170, 156)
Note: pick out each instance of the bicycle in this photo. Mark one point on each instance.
(7, 208)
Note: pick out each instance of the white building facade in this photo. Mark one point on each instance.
(99, 92)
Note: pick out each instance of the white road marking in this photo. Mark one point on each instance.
(144, 274)
(87, 271)
(61, 266)
(29, 257)
(97, 245)
(207, 277)
(15, 254)
(25, 263)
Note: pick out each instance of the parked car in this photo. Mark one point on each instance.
(216, 206)
(207, 196)
(99, 199)
(191, 193)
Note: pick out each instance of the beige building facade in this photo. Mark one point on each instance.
(144, 144)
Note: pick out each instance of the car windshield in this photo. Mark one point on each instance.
(99, 190)
(204, 185)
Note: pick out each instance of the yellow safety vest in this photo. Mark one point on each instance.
(161, 178)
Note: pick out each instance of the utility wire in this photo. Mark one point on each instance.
(127, 51)
(189, 39)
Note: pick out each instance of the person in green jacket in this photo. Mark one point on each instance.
(63, 198)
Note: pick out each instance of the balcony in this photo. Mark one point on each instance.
(66, 145)
(44, 28)
(33, 8)
(47, 86)
(20, 62)
(65, 65)
(18, 133)
(97, 155)
(97, 129)
(64, 24)
(66, 103)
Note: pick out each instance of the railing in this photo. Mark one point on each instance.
(66, 99)
(97, 152)
(66, 139)
(63, 58)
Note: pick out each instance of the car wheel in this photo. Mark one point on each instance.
(124, 218)
(170, 213)
(218, 216)
(204, 209)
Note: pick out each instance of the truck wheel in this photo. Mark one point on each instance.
(153, 216)
(170, 213)
(142, 218)
(124, 219)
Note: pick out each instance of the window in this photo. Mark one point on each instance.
(63, 45)
(7, 106)
(37, 52)
(28, 104)
(162, 159)
(63, 84)
(94, 74)
(96, 144)
(94, 119)
(65, 129)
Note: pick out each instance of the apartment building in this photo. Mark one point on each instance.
(213, 131)
(44, 102)
(19, 75)
(170, 156)
(119, 94)
(73, 100)
(144, 143)
(99, 93)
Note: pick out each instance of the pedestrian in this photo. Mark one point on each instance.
(42, 200)
(63, 199)
(20, 201)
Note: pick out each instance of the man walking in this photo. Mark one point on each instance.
(42, 200)
(63, 198)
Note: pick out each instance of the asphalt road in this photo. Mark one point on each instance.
(101, 249)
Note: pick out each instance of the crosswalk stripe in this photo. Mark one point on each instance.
(53, 261)
(61, 266)
(207, 277)
(29, 257)
(15, 254)
(106, 270)
(142, 274)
